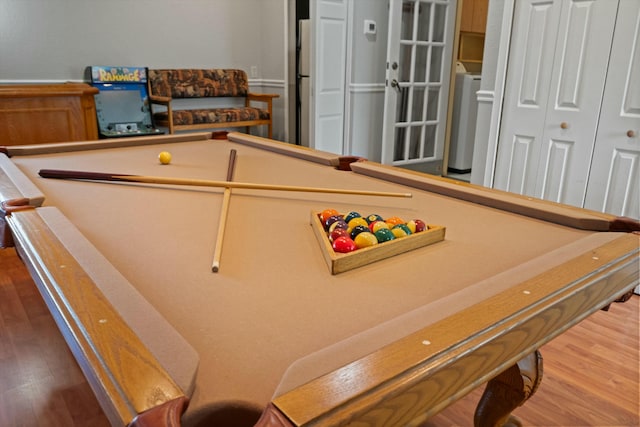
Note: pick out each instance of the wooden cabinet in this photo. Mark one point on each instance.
(43, 113)
(473, 23)
(474, 16)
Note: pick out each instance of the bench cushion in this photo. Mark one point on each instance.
(195, 83)
(213, 115)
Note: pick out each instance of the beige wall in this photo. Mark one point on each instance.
(53, 40)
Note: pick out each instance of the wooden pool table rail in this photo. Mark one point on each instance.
(409, 380)
(523, 205)
(529, 206)
(65, 147)
(118, 366)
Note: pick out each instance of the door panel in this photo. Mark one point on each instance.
(615, 174)
(574, 54)
(329, 39)
(558, 166)
(577, 84)
(538, 44)
(519, 162)
(526, 94)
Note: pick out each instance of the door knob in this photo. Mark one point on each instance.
(631, 133)
(396, 85)
(564, 125)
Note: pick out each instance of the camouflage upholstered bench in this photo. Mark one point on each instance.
(168, 85)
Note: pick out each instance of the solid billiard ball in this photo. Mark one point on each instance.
(384, 235)
(164, 157)
(338, 232)
(393, 221)
(325, 214)
(344, 244)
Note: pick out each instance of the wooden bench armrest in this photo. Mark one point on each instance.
(164, 100)
(264, 97)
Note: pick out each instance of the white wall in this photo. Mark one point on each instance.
(54, 40)
(270, 41)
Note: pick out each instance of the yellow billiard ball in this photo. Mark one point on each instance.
(164, 157)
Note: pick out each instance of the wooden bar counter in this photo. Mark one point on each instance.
(44, 113)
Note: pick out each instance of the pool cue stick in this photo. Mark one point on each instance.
(98, 176)
(223, 213)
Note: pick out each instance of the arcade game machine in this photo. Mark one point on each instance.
(122, 105)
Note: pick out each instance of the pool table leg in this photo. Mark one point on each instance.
(507, 391)
(272, 417)
(624, 298)
(165, 415)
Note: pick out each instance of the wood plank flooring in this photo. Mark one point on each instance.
(40, 382)
(591, 372)
(591, 377)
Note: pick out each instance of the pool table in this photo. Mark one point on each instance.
(272, 337)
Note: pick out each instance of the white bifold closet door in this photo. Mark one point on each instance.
(558, 65)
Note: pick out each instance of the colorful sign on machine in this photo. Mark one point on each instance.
(101, 74)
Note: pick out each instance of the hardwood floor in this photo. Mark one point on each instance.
(591, 376)
(40, 382)
(591, 371)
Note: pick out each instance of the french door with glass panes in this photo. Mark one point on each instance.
(419, 51)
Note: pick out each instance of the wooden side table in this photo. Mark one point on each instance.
(43, 113)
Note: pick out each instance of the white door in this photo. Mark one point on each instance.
(557, 68)
(328, 68)
(419, 50)
(614, 181)
(528, 81)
